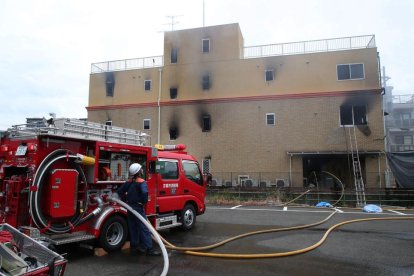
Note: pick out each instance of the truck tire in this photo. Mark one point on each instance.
(188, 217)
(113, 233)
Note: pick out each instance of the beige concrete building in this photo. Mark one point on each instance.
(263, 115)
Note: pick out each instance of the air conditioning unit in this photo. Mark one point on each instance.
(281, 182)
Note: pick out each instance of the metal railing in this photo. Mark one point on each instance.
(81, 129)
(311, 46)
(127, 64)
(403, 99)
(399, 123)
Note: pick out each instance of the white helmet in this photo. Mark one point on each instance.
(134, 169)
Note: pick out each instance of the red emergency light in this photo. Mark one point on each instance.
(170, 147)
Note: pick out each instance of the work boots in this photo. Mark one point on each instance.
(148, 252)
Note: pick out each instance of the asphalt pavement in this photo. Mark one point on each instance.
(363, 248)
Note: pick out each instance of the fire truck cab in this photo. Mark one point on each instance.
(55, 179)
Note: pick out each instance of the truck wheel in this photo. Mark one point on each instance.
(188, 217)
(113, 234)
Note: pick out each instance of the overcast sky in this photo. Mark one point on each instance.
(47, 46)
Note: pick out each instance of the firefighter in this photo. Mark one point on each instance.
(135, 193)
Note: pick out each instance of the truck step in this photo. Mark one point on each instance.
(166, 222)
(69, 238)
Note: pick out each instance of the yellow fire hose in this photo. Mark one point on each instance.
(189, 249)
(194, 250)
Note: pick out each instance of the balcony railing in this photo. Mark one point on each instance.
(127, 64)
(401, 148)
(404, 124)
(403, 99)
(311, 46)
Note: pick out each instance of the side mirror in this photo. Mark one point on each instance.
(208, 177)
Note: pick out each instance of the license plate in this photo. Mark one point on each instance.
(21, 151)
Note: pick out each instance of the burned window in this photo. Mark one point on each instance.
(206, 82)
(270, 119)
(108, 123)
(173, 93)
(206, 45)
(353, 115)
(173, 133)
(110, 84)
(269, 75)
(206, 123)
(174, 55)
(147, 123)
(147, 85)
(350, 71)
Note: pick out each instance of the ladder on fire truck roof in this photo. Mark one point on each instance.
(75, 128)
(356, 164)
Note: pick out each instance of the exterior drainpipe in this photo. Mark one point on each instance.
(159, 108)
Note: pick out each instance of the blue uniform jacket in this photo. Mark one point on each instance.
(134, 193)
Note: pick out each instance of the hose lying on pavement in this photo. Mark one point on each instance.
(189, 249)
(294, 252)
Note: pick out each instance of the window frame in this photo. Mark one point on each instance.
(149, 124)
(274, 118)
(171, 93)
(174, 55)
(145, 85)
(273, 75)
(365, 116)
(350, 71)
(203, 49)
(206, 127)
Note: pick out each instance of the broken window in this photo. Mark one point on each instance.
(206, 123)
(173, 93)
(206, 82)
(174, 55)
(110, 84)
(108, 123)
(269, 75)
(270, 119)
(147, 123)
(147, 85)
(350, 71)
(353, 115)
(206, 45)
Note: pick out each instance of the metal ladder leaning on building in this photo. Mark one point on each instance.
(356, 164)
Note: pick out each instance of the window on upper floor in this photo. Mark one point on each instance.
(353, 71)
(173, 133)
(206, 83)
(206, 123)
(206, 45)
(109, 84)
(269, 75)
(108, 123)
(174, 55)
(147, 123)
(147, 85)
(173, 92)
(353, 115)
(270, 119)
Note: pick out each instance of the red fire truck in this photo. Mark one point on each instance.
(56, 175)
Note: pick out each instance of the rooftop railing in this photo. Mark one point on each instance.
(311, 46)
(127, 64)
(293, 48)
